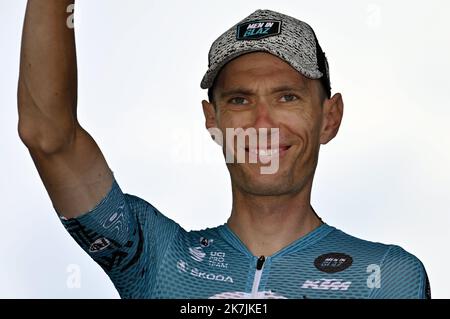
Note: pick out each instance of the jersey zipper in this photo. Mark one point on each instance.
(257, 279)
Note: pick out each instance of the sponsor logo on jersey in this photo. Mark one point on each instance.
(210, 276)
(217, 259)
(333, 262)
(183, 267)
(197, 253)
(205, 242)
(327, 284)
(117, 221)
(247, 295)
(214, 258)
(99, 245)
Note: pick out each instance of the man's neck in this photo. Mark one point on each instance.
(267, 224)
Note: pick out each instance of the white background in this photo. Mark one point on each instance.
(384, 178)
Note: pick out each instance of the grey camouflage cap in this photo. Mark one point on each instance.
(290, 39)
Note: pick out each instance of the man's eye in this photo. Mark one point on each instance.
(238, 100)
(288, 98)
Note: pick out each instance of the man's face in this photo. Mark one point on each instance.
(259, 90)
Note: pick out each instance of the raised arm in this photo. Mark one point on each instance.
(68, 160)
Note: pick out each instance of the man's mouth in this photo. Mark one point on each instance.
(268, 151)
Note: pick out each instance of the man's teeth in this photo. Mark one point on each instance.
(262, 152)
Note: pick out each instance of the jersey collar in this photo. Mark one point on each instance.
(301, 243)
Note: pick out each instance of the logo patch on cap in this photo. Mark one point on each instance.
(255, 30)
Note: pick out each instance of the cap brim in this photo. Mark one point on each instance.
(210, 75)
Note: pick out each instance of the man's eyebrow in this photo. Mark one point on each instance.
(236, 91)
(281, 88)
(295, 88)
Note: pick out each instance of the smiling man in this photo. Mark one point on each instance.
(268, 74)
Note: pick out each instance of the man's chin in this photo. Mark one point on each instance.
(265, 189)
(263, 184)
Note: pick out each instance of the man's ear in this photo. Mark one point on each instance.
(209, 111)
(333, 110)
(210, 114)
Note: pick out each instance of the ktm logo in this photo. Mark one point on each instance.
(326, 284)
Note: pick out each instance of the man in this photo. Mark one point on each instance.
(267, 73)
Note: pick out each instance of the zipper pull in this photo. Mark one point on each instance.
(260, 262)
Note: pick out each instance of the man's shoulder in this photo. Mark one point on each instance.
(208, 234)
(338, 238)
(403, 274)
(391, 251)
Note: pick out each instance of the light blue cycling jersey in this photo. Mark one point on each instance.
(147, 255)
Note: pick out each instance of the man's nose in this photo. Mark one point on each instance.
(263, 116)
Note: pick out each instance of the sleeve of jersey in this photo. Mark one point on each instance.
(127, 237)
(402, 276)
